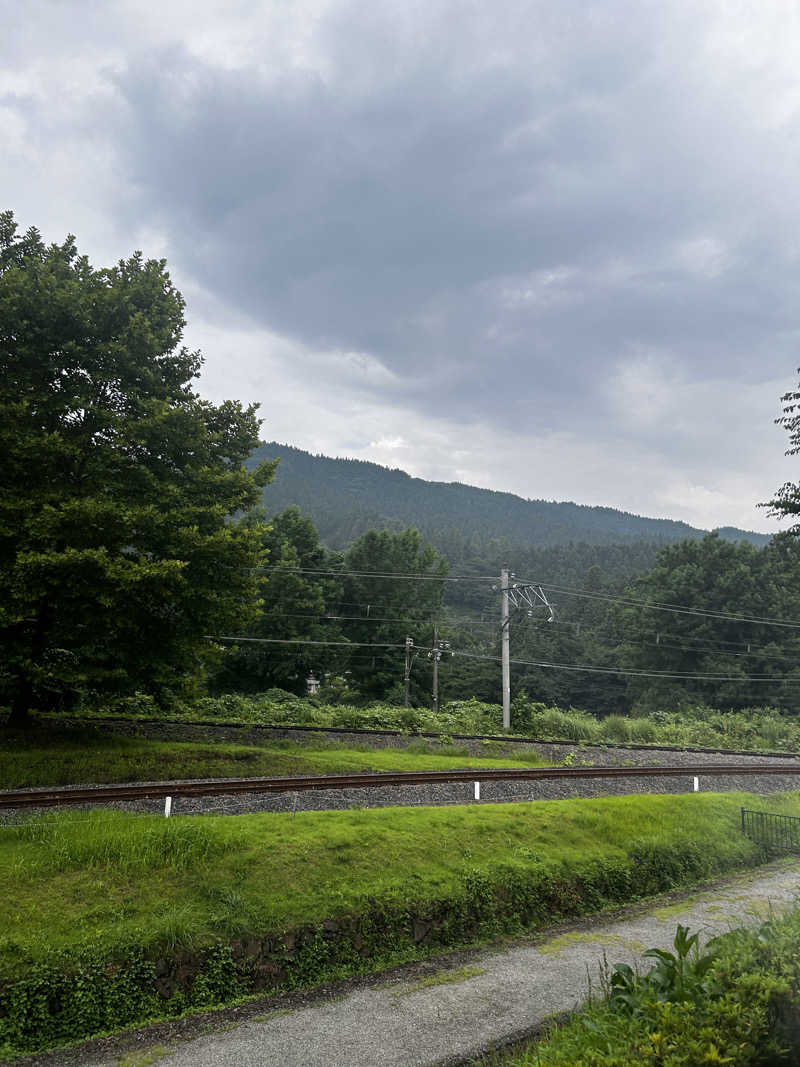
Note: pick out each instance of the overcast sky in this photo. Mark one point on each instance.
(550, 248)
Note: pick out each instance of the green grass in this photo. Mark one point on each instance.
(83, 757)
(111, 879)
(736, 1003)
(688, 726)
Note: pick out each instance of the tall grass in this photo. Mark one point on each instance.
(118, 841)
(111, 875)
(66, 758)
(690, 725)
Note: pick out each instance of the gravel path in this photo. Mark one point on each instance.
(492, 997)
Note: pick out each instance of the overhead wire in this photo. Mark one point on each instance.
(628, 671)
(377, 574)
(669, 641)
(680, 609)
(300, 641)
(666, 640)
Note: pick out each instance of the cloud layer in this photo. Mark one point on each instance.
(545, 248)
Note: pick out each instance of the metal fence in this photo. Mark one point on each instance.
(777, 831)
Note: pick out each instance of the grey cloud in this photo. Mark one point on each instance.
(490, 200)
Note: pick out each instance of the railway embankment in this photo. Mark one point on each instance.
(478, 745)
(111, 919)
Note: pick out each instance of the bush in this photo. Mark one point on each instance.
(690, 725)
(737, 1003)
(616, 728)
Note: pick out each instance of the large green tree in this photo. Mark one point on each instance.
(786, 501)
(117, 481)
(716, 586)
(296, 596)
(392, 586)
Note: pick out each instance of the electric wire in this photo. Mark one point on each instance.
(679, 609)
(300, 641)
(377, 574)
(629, 671)
(662, 640)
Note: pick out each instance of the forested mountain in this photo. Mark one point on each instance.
(597, 651)
(347, 497)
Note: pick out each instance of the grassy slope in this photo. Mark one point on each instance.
(110, 879)
(83, 757)
(699, 726)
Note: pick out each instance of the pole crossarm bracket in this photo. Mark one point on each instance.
(529, 597)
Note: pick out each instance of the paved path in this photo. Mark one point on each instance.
(497, 996)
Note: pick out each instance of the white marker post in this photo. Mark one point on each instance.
(167, 807)
(696, 784)
(477, 790)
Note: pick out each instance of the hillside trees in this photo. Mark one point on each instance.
(712, 578)
(388, 608)
(294, 603)
(116, 556)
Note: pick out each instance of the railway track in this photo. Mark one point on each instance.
(64, 795)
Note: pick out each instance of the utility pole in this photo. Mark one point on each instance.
(436, 657)
(521, 595)
(504, 625)
(407, 672)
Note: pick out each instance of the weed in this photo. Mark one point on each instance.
(441, 978)
(145, 1058)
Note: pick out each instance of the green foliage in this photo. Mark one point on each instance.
(116, 556)
(736, 1003)
(74, 996)
(677, 976)
(715, 576)
(693, 725)
(83, 841)
(110, 919)
(82, 756)
(403, 606)
(293, 607)
(786, 501)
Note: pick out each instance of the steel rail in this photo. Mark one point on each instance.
(28, 798)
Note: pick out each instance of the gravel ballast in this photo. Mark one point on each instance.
(433, 794)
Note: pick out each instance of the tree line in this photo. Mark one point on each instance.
(136, 552)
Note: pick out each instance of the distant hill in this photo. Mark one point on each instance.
(346, 497)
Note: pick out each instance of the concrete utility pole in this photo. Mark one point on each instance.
(407, 673)
(504, 625)
(436, 657)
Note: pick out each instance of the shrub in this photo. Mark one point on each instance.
(737, 1003)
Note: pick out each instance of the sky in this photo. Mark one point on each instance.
(547, 248)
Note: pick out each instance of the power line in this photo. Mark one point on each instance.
(679, 609)
(377, 574)
(633, 673)
(666, 640)
(299, 641)
(348, 618)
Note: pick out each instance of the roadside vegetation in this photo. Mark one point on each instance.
(78, 757)
(112, 918)
(736, 1002)
(691, 725)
